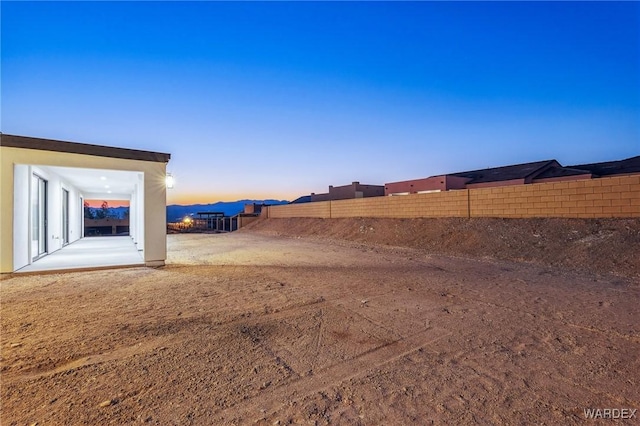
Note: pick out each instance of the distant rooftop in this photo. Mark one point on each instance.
(556, 171)
(628, 165)
(516, 171)
(303, 199)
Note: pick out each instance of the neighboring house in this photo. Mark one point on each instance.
(345, 192)
(425, 185)
(518, 174)
(45, 183)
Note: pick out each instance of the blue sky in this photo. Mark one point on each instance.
(280, 99)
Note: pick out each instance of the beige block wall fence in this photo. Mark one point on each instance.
(590, 198)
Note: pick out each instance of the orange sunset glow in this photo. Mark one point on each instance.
(206, 198)
(112, 203)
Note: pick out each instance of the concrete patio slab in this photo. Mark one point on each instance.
(90, 253)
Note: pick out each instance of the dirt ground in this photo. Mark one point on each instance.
(258, 328)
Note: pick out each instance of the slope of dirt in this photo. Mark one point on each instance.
(592, 245)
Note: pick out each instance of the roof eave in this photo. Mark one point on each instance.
(26, 142)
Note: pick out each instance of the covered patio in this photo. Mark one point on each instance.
(44, 186)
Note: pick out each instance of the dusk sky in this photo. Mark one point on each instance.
(280, 99)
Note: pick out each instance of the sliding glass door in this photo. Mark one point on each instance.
(65, 217)
(38, 216)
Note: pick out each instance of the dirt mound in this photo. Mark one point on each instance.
(591, 245)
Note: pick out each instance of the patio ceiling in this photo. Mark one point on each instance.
(105, 184)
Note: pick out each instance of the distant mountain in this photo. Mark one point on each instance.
(177, 212)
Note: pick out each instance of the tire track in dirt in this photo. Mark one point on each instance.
(369, 320)
(89, 360)
(551, 318)
(153, 343)
(259, 406)
(319, 339)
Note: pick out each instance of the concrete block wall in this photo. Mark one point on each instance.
(617, 196)
(439, 204)
(587, 198)
(245, 220)
(318, 209)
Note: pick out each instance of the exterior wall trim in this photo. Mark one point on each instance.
(81, 148)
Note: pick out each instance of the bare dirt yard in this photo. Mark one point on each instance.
(273, 325)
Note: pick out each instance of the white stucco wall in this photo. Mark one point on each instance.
(76, 212)
(22, 178)
(138, 215)
(21, 212)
